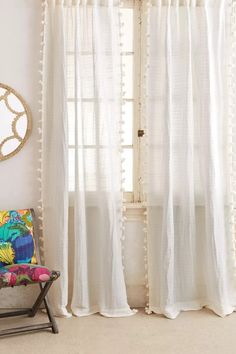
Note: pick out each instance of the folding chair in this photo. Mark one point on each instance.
(19, 257)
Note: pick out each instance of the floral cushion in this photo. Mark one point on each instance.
(23, 274)
(17, 244)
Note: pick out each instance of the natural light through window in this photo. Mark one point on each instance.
(130, 59)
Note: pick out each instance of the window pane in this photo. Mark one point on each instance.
(70, 76)
(92, 128)
(86, 76)
(127, 60)
(85, 88)
(128, 123)
(71, 122)
(127, 29)
(87, 169)
(86, 124)
(128, 167)
(71, 169)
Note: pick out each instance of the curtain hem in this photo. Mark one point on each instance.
(61, 312)
(125, 312)
(173, 312)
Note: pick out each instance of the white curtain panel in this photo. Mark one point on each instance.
(55, 155)
(82, 42)
(190, 263)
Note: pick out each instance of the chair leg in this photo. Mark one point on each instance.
(40, 298)
(32, 312)
(49, 313)
(51, 317)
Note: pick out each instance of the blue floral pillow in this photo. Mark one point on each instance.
(16, 237)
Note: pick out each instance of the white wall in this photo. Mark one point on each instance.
(19, 64)
(20, 25)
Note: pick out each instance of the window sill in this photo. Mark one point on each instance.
(132, 211)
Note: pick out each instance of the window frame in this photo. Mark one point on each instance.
(136, 196)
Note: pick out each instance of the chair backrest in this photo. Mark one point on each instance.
(17, 237)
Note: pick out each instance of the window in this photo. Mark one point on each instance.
(132, 86)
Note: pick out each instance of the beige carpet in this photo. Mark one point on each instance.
(199, 332)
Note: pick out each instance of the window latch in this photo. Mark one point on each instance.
(141, 133)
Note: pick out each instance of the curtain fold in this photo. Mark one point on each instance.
(82, 42)
(55, 155)
(189, 241)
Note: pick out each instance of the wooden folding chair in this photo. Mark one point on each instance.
(20, 265)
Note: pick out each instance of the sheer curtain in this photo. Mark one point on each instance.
(83, 38)
(189, 235)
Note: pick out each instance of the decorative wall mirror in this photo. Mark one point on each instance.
(15, 122)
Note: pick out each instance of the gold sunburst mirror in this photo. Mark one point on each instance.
(15, 122)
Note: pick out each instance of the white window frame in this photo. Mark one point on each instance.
(136, 196)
